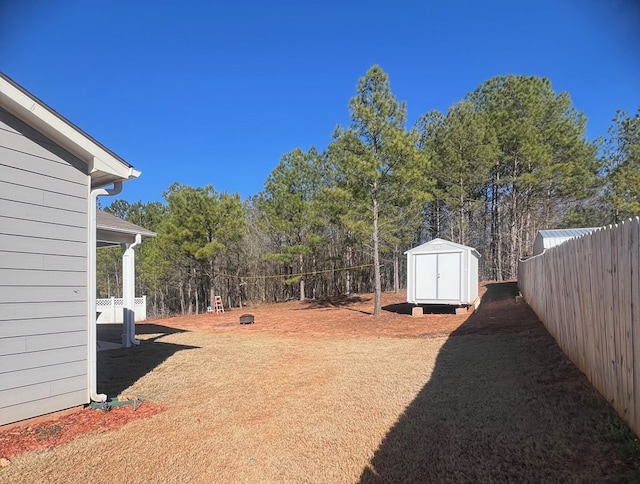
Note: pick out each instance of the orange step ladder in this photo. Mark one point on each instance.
(217, 304)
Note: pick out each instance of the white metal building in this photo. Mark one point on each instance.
(442, 272)
(550, 238)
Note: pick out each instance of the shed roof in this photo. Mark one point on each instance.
(565, 233)
(104, 166)
(114, 231)
(428, 246)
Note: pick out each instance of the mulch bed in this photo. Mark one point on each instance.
(45, 434)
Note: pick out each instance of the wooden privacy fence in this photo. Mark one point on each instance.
(586, 291)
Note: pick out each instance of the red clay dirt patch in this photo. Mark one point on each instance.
(344, 316)
(45, 434)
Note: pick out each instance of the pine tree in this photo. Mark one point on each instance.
(377, 163)
(622, 154)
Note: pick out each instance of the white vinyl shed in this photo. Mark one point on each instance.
(550, 238)
(442, 272)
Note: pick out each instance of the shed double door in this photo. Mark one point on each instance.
(438, 276)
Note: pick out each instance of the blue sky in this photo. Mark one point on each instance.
(216, 92)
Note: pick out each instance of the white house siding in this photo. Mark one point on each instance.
(43, 274)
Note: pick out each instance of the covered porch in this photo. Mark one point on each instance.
(112, 231)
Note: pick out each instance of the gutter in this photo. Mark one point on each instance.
(92, 347)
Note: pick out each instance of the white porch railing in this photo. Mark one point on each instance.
(111, 309)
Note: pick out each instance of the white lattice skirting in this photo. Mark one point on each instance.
(111, 309)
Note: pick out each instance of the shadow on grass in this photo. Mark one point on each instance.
(335, 301)
(112, 332)
(342, 302)
(120, 368)
(503, 404)
(405, 308)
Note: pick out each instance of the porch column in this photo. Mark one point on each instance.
(129, 293)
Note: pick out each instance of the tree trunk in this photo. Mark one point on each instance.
(377, 305)
(348, 271)
(301, 262)
(212, 289)
(189, 298)
(496, 230)
(396, 270)
(515, 221)
(118, 284)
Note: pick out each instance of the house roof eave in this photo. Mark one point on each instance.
(103, 165)
(112, 230)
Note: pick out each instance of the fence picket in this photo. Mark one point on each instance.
(625, 356)
(589, 324)
(634, 277)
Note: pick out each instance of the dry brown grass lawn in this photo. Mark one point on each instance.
(435, 399)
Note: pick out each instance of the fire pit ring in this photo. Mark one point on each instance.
(246, 319)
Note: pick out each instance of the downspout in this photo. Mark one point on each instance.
(129, 294)
(91, 289)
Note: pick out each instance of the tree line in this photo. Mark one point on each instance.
(507, 160)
